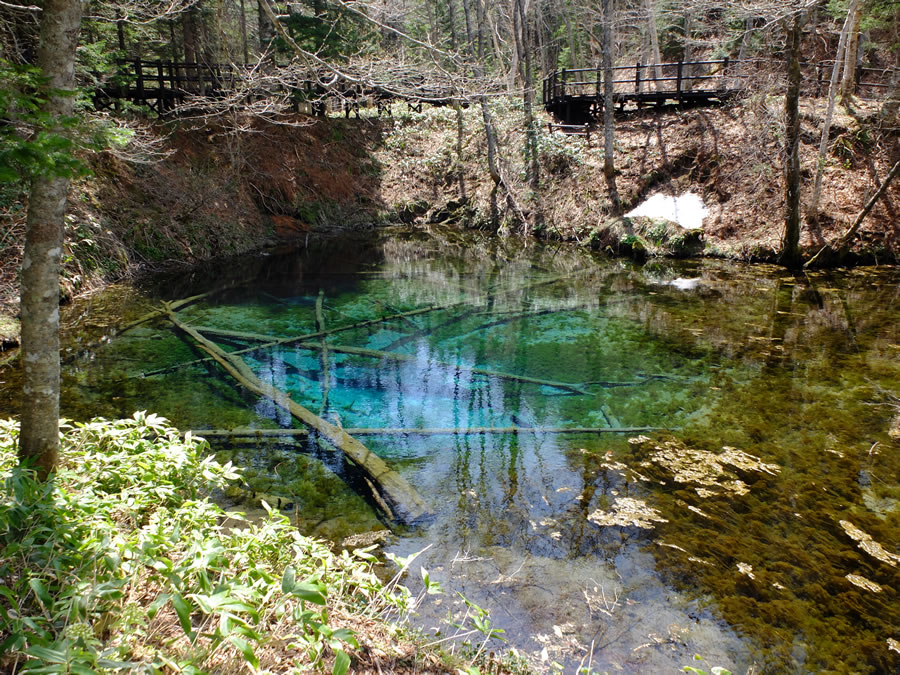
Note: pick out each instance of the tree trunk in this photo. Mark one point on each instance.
(790, 246)
(39, 437)
(520, 27)
(191, 36)
(244, 44)
(573, 43)
(813, 210)
(609, 168)
(266, 28)
(653, 32)
(476, 51)
(848, 83)
(451, 20)
(687, 55)
(890, 110)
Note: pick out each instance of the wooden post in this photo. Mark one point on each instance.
(140, 80)
(637, 78)
(725, 73)
(160, 83)
(678, 80)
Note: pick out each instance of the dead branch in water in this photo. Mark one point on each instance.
(406, 502)
(393, 356)
(258, 434)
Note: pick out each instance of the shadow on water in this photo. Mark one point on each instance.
(779, 551)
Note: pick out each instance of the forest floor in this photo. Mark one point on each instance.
(215, 189)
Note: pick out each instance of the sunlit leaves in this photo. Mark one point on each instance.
(125, 518)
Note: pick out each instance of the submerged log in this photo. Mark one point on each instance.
(155, 314)
(393, 356)
(326, 376)
(405, 502)
(251, 434)
(270, 341)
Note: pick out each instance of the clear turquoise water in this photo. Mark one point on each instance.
(797, 371)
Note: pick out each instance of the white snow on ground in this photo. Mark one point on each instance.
(688, 209)
(685, 284)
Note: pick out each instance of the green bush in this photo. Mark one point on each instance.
(121, 562)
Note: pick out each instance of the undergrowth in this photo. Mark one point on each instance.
(121, 563)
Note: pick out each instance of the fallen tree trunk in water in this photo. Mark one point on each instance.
(393, 356)
(251, 434)
(177, 304)
(405, 502)
(269, 341)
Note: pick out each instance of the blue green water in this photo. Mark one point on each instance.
(749, 565)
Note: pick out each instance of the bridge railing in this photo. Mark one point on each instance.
(675, 77)
(141, 79)
(683, 78)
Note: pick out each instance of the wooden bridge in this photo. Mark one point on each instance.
(572, 96)
(575, 96)
(164, 86)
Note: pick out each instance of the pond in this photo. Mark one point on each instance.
(748, 512)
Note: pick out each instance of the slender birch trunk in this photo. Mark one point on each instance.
(39, 436)
(813, 210)
(609, 167)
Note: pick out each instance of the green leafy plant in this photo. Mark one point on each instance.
(122, 548)
(716, 670)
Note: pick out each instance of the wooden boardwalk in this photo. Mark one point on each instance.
(165, 86)
(575, 96)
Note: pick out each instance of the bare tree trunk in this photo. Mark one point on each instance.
(520, 27)
(813, 211)
(451, 19)
(790, 246)
(120, 31)
(686, 54)
(244, 33)
(266, 28)
(653, 32)
(573, 43)
(490, 133)
(890, 110)
(848, 82)
(39, 437)
(191, 35)
(609, 113)
(460, 163)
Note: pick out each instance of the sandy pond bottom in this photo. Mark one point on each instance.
(755, 524)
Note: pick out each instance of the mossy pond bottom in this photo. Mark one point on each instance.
(755, 521)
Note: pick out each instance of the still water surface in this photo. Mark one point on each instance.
(778, 552)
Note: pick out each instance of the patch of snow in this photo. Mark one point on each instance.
(685, 284)
(688, 209)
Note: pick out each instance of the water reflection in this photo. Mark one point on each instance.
(796, 371)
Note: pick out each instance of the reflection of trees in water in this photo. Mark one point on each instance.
(774, 365)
